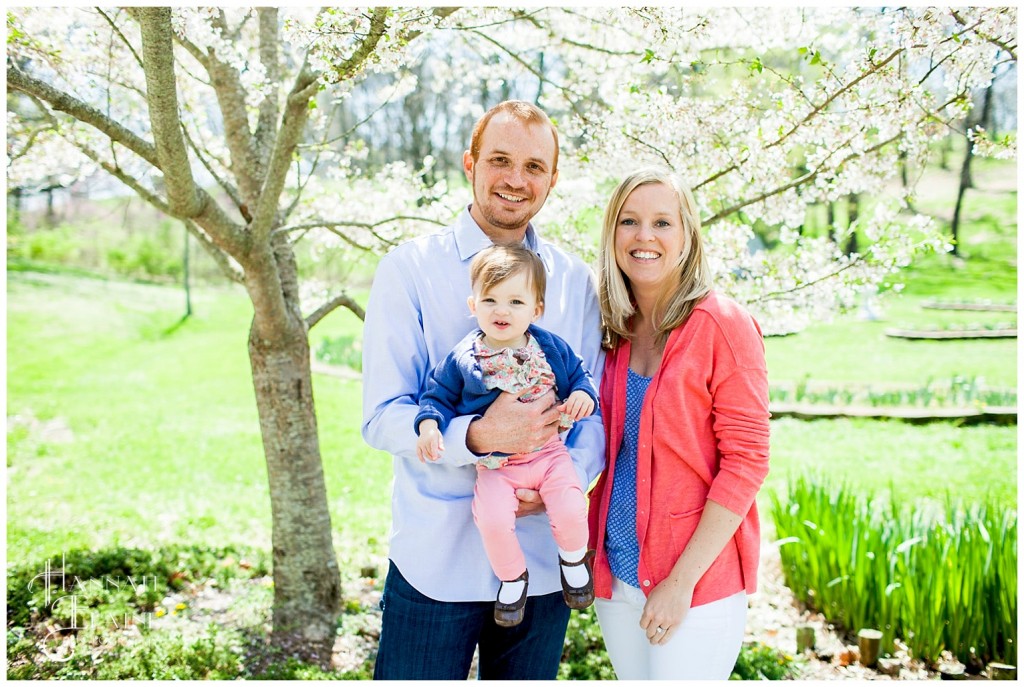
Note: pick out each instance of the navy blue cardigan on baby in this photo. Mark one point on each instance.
(456, 386)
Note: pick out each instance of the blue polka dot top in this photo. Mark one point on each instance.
(620, 536)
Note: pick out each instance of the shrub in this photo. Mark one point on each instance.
(342, 350)
(294, 669)
(761, 662)
(584, 656)
(59, 245)
(170, 657)
(121, 580)
(147, 256)
(108, 590)
(99, 655)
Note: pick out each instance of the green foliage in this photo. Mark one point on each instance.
(959, 391)
(145, 256)
(584, 656)
(943, 581)
(59, 245)
(293, 669)
(345, 350)
(168, 657)
(213, 656)
(120, 581)
(761, 662)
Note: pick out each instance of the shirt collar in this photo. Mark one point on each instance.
(470, 239)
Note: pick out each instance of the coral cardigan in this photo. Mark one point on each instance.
(703, 435)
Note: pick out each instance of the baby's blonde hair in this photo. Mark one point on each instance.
(496, 263)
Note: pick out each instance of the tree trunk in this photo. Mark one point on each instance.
(187, 269)
(966, 181)
(307, 592)
(853, 205)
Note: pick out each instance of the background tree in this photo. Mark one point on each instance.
(269, 132)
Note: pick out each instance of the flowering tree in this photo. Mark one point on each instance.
(226, 120)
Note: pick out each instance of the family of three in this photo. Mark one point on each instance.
(505, 382)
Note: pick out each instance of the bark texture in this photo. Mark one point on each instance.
(306, 576)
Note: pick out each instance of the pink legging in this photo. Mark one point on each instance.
(550, 471)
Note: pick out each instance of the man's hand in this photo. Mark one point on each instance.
(509, 426)
(530, 502)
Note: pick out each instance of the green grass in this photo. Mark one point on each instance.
(129, 427)
(917, 461)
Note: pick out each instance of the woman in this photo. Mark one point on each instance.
(684, 397)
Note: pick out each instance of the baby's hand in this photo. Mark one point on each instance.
(430, 444)
(578, 405)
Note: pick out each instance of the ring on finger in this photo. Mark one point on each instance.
(659, 629)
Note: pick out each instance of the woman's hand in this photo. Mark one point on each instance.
(667, 605)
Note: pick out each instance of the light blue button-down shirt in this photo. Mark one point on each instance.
(416, 313)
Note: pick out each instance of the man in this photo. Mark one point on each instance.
(438, 601)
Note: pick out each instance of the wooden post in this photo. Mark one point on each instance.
(1001, 671)
(804, 638)
(869, 642)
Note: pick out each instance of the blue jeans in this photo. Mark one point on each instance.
(424, 639)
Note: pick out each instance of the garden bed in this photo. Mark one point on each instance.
(982, 307)
(952, 334)
(812, 411)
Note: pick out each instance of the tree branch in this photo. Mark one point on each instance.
(294, 121)
(230, 268)
(227, 86)
(331, 225)
(62, 102)
(342, 299)
(225, 184)
(164, 117)
(570, 97)
(1011, 49)
(121, 35)
(269, 111)
(855, 260)
(799, 181)
(875, 67)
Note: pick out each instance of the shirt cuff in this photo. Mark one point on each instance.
(455, 450)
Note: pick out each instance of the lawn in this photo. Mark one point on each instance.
(127, 426)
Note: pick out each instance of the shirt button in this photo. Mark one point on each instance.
(647, 583)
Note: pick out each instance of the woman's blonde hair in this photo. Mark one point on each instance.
(676, 303)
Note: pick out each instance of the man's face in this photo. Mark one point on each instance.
(512, 177)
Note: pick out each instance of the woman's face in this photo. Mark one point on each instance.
(649, 237)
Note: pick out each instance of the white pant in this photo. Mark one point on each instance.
(703, 647)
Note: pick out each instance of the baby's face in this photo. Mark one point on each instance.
(506, 310)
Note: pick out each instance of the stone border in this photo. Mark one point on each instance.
(1002, 415)
(952, 334)
(989, 307)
